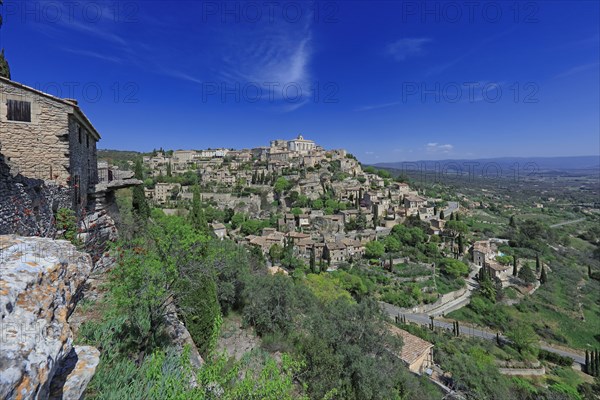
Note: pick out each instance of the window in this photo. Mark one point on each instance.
(18, 111)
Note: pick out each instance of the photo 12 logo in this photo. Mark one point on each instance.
(92, 92)
(270, 92)
(470, 12)
(469, 92)
(440, 171)
(325, 12)
(90, 12)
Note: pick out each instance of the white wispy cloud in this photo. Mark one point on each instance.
(377, 106)
(402, 49)
(93, 54)
(578, 69)
(436, 148)
(275, 58)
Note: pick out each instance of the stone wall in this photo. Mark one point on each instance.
(82, 159)
(27, 205)
(39, 149)
(56, 146)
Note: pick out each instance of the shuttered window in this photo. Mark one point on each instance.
(18, 110)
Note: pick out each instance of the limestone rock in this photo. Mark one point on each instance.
(40, 280)
(75, 373)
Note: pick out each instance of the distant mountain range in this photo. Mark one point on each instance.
(540, 164)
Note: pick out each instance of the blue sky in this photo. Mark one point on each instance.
(389, 80)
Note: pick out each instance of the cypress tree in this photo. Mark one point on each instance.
(543, 276)
(587, 363)
(589, 271)
(313, 261)
(169, 170)
(4, 68)
(138, 201)
(442, 214)
(537, 262)
(457, 217)
(514, 272)
(512, 223)
(451, 216)
(197, 217)
(435, 210)
(460, 244)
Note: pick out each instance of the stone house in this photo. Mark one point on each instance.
(219, 230)
(413, 203)
(335, 252)
(164, 191)
(416, 353)
(48, 138)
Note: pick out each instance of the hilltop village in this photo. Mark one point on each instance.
(293, 192)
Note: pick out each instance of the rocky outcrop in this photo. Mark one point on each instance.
(40, 281)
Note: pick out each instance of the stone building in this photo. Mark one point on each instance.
(49, 139)
(301, 145)
(416, 353)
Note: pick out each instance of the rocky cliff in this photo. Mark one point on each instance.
(40, 281)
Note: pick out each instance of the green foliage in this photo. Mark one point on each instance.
(523, 337)
(349, 355)
(526, 274)
(454, 268)
(4, 67)
(504, 260)
(66, 224)
(197, 216)
(269, 303)
(374, 249)
(139, 204)
(199, 307)
(326, 288)
(282, 185)
(392, 244)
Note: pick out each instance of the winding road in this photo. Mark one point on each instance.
(567, 223)
(423, 319)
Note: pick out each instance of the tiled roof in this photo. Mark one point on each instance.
(412, 347)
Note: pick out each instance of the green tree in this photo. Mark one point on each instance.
(537, 262)
(199, 307)
(275, 253)
(313, 261)
(461, 246)
(454, 268)
(139, 204)
(392, 244)
(442, 214)
(526, 274)
(486, 285)
(270, 301)
(543, 276)
(4, 68)
(523, 337)
(515, 268)
(197, 216)
(374, 249)
(281, 185)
